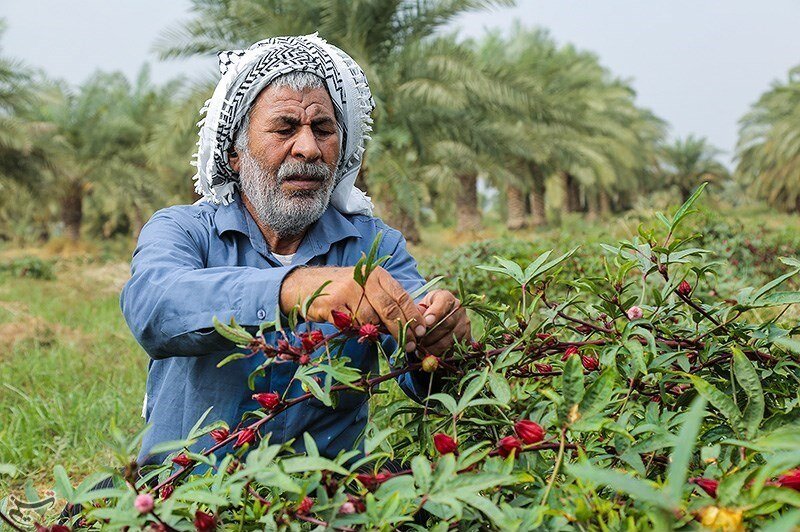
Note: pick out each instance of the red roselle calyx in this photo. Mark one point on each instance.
(342, 321)
(430, 363)
(590, 363)
(790, 479)
(182, 460)
(708, 485)
(444, 443)
(684, 288)
(529, 431)
(246, 435)
(571, 350)
(476, 346)
(304, 506)
(371, 482)
(204, 522)
(166, 491)
(368, 333)
(507, 445)
(220, 435)
(311, 339)
(267, 400)
(543, 368)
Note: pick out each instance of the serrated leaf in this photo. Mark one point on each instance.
(719, 399)
(640, 490)
(750, 382)
(598, 394)
(500, 388)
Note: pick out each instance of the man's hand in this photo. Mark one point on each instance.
(384, 300)
(445, 319)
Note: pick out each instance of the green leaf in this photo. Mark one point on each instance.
(63, 486)
(231, 358)
(636, 489)
(719, 399)
(571, 388)
(598, 394)
(684, 211)
(638, 362)
(750, 382)
(447, 401)
(500, 388)
(426, 287)
(682, 453)
(232, 332)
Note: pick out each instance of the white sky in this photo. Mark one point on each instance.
(699, 64)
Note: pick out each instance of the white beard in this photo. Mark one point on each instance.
(287, 214)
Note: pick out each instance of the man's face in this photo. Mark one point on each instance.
(287, 172)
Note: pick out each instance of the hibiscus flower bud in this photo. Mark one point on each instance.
(182, 460)
(303, 359)
(284, 347)
(247, 435)
(634, 313)
(684, 288)
(590, 363)
(790, 479)
(342, 321)
(143, 503)
(476, 346)
(706, 484)
(444, 443)
(543, 368)
(304, 506)
(267, 400)
(307, 342)
(584, 329)
(166, 491)
(508, 339)
(529, 431)
(571, 350)
(204, 522)
(368, 333)
(220, 435)
(430, 363)
(542, 336)
(347, 508)
(507, 445)
(372, 482)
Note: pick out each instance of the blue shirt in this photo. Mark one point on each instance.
(195, 262)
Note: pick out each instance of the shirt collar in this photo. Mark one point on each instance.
(332, 227)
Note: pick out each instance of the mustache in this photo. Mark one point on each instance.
(316, 171)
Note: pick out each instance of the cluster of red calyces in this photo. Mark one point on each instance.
(373, 481)
(444, 444)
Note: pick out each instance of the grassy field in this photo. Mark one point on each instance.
(70, 369)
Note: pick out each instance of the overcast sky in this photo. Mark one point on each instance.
(699, 64)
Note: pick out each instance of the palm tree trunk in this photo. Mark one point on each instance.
(516, 207)
(536, 197)
(604, 200)
(72, 209)
(572, 198)
(592, 205)
(468, 217)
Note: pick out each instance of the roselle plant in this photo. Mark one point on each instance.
(631, 400)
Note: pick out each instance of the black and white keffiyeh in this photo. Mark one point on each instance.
(245, 73)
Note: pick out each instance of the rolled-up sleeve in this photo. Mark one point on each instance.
(171, 298)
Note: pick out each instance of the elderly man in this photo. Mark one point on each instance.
(279, 151)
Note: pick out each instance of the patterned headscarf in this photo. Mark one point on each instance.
(245, 73)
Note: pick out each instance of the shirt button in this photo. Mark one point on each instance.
(261, 314)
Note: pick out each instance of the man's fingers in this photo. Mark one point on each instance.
(446, 327)
(440, 303)
(395, 307)
(458, 332)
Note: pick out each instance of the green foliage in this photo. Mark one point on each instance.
(634, 408)
(33, 267)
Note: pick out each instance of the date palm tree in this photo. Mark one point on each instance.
(768, 151)
(688, 162)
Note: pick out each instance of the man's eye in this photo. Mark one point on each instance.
(323, 133)
(287, 131)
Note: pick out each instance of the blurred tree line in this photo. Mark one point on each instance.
(512, 112)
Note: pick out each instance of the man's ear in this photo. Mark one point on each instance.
(233, 159)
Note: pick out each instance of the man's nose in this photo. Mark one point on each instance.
(305, 145)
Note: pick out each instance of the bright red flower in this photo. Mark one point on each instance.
(220, 435)
(571, 350)
(590, 363)
(507, 445)
(791, 479)
(368, 333)
(543, 368)
(304, 506)
(342, 321)
(529, 431)
(709, 485)
(204, 522)
(246, 435)
(444, 443)
(267, 400)
(684, 288)
(182, 460)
